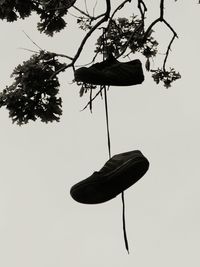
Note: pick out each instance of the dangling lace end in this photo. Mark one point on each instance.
(124, 224)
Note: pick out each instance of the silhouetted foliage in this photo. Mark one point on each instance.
(123, 33)
(11, 10)
(34, 93)
(51, 12)
(167, 77)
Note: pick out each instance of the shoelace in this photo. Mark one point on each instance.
(109, 151)
(124, 223)
(110, 163)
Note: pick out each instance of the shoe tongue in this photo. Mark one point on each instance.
(112, 164)
(110, 61)
(118, 160)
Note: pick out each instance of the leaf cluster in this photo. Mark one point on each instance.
(167, 77)
(84, 23)
(123, 33)
(11, 10)
(51, 16)
(51, 12)
(34, 91)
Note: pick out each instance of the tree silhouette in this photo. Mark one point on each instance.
(34, 92)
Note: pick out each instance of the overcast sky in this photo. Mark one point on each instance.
(40, 224)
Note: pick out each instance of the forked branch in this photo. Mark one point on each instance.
(105, 18)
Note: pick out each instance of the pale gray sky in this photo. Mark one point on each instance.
(41, 225)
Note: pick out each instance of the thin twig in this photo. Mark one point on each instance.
(118, 8)
(168, 50)
(29, 50)
(87, 64)
(92, 18)
(92, 99)
(150, 27)
(94, 8)
(142, 8)
(62, 55)
(70, 13)
(32, 40)
(170, 27)
(86, 8)
(160, 19)
(82, 12)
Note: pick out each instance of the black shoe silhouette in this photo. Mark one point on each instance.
(112, 72)
(119, 173)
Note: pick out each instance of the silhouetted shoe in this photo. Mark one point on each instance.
(119, 173)
(112, 72)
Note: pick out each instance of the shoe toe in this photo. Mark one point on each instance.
(90, 192)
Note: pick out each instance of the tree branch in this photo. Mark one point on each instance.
(161, 10)
(168, 50)
(150, 27)
(62, 55)
(93, 98)
(142, 10)
(160, 19)
(87, 14)
(118, 8)
(170, 27)
(105, 18)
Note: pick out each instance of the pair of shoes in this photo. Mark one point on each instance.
(118, 174)
(111, 72)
